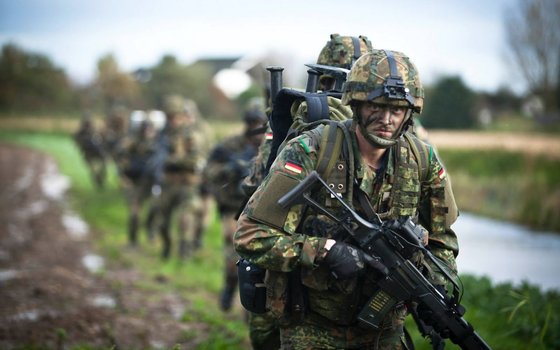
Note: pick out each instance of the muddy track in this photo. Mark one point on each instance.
(50, 296)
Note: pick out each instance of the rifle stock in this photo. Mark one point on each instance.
(395, 243)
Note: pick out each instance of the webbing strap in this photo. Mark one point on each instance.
(357, 51)
(421, 153)
(317, 107)
(329, 149)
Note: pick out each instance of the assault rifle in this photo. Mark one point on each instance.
(394, 243)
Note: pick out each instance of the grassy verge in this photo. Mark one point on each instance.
(508, 186)
(198, 280)
(506, 316)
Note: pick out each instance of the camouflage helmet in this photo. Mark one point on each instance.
(343, 51)
(386, 77)
(173, 104)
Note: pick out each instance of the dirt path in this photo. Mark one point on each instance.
(49, 296)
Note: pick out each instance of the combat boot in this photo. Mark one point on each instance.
(166, 241)
(184, 249)
(151, 222)
(226, 297)
(132, 230)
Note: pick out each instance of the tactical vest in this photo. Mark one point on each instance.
(340, 301)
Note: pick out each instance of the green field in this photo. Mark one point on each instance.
(508, 317)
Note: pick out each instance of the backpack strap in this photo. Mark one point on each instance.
(317, 107)
(423, 154)
(329, 149)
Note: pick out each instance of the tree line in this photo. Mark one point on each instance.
(31, 83)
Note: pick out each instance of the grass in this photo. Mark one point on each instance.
(199, 279)
(506, 316)
(509, 186)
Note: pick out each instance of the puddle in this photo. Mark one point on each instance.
(31, 315)
(104, 301)
(156, 344)
(75, 226)
(53, 184)
(25, 180)
(178, 310)
(33, 209)
(6, 275)
(94, 263)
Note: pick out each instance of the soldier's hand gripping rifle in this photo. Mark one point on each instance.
(394, 243)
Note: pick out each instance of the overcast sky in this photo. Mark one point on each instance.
(464, 38)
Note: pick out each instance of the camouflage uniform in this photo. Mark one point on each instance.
(116, 128)
(204, 202)
(90, 143)
(227, 166)
(136, 151)
(291, 243)
(339, 51)
(181, 177)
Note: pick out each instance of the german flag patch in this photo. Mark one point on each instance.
(441, 173)
(293, 167)
(268, 136)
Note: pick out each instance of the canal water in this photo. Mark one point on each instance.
(507, 252)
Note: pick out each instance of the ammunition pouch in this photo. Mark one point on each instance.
(252, 290)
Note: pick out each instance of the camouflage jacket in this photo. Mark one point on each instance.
(186, 155)
(134, 156)
(90, 143)
(285, 240)
(227, 166)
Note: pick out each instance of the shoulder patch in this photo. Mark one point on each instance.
(293, 167)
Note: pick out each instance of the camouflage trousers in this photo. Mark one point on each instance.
(98, 170)
(137, 192)
(181, 202)
(317, 333)
(229, 225)
(264, 331)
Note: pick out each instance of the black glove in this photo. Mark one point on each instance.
(427, 315)
(346, 261)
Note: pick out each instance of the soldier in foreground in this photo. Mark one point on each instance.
(227, 166)
(339, 51)
(90, 143)
(317, 279)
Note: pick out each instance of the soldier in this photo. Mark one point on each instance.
(204, 202)
(90, 143)
(181, 174)
(377, 166)
(339, 51)
(137, 180)
(116, 128)
(227, 166)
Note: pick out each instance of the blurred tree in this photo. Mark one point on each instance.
(30, 82)
(169, 76)
(115, 87)
(533, 32)
(449, 105)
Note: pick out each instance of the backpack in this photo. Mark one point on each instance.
(296, 111)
